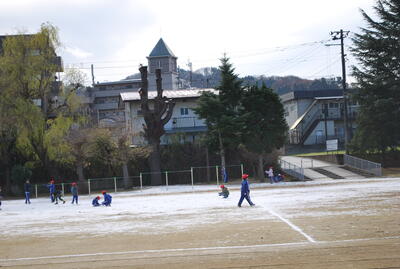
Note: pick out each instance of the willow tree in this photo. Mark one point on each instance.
(156, 112)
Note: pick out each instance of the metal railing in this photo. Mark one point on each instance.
(364, 165)
(292, 169)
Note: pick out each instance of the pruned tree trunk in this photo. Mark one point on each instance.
(155, 164)
(208, 165)
(221, 151)
(155, 119)
(79, 172)
(260, 168)
(125, 173)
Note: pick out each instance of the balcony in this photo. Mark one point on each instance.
(185, 125)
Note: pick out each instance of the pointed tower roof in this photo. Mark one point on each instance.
(161, 49)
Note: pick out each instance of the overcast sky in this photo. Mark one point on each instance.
(262, 37)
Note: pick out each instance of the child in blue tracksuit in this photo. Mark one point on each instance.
(74, 192)
(107, 199)
(245, 191)
(95, 201)
(52, 190)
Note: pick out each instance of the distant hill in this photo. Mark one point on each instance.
(210, 77)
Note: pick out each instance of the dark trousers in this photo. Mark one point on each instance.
(243, 196)
(75, 198)
(27, 196)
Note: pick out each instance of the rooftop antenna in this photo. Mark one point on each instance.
(190, 65)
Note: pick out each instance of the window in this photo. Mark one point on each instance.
(333, 105)
(184, 111)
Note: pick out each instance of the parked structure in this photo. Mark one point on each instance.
(316, 116)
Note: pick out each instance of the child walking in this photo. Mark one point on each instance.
(58, 196)
(245, 191)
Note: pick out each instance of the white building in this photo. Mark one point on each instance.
(184, 123)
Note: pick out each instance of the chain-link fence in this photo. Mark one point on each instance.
(196, 175)
(364, 165)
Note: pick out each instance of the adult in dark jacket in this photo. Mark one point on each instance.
(245, 191)
(74, 192)
(27, 189)
(107, 199)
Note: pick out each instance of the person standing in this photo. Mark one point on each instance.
(27, 189)
(245, 191)
(74, 192)
(52, 189)
(270, 174)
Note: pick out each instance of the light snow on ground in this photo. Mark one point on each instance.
(161, 210)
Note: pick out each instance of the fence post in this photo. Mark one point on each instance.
(166, 179)
(36, 190)
(241, 168)
(141, 182)
(89, 186)
(62, 188)
(115, 184)
(216, 168)
(191, 175)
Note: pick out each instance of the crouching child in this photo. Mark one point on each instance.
(107, 199)
(224, 192)
(95, 201)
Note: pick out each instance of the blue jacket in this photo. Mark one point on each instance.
(52, 187)
(245, 187)
(107, 199)
(95, 202)
(74, 190)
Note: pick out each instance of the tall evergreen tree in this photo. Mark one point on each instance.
(264, 127)
(377, 49)
(221, 111)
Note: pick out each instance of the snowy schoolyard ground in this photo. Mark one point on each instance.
(196, 218)
(158, 209)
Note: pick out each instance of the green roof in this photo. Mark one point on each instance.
(161, 49)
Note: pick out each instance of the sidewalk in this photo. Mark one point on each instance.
(308, 164)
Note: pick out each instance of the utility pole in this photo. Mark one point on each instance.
(336, 35)
(92, 69)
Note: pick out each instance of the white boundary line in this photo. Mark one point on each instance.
(294, 227)
(195, 249)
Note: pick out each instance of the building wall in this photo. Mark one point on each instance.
(318, 134)
(295, 108)
(182, 116)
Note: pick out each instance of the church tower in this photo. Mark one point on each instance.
(161, 57)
